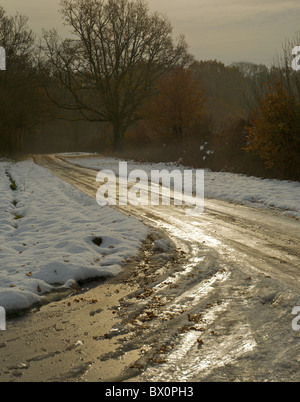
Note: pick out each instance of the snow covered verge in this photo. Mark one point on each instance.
(46, 236)
(238, 188)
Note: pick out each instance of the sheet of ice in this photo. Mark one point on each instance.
(242, 189)
(46, 234)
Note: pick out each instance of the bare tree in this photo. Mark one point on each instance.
(107, 70)
(256, 76)
(16, 38)
(282, 68)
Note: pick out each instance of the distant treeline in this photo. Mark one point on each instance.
(124, 86)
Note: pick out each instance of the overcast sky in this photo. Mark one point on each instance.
(226, 30)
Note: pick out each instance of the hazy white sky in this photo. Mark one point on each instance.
(226, 30)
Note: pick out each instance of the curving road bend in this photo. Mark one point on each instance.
(225, 313)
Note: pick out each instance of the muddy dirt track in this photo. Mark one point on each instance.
(216, 305)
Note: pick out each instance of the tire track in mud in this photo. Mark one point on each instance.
(223, 312)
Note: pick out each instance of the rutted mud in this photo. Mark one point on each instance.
(214, 303)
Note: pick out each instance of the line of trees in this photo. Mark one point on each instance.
(122, 82)
(24, 104)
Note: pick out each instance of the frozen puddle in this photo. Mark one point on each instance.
(190, 359)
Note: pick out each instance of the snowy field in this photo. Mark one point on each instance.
(238, 188)
(46, 236)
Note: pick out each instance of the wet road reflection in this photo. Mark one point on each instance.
(226, 313)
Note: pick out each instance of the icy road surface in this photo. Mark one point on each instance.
(225, 313)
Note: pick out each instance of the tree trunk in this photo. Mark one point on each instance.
(118, 133)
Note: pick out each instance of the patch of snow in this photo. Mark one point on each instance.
(46, 234)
